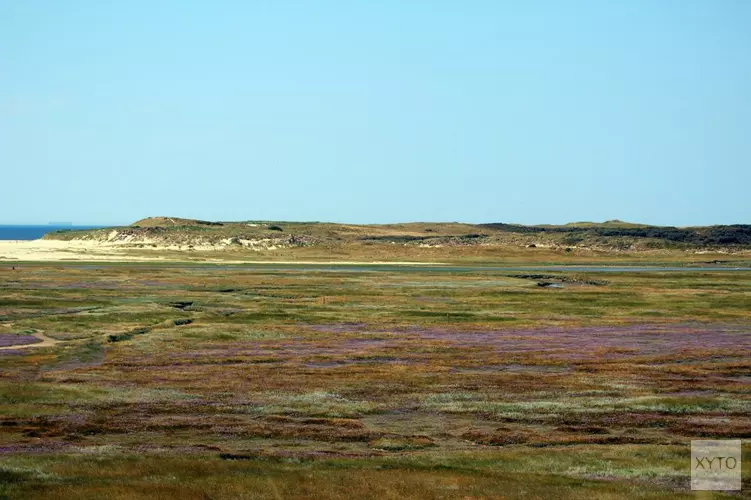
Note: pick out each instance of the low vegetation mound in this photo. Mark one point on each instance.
(273, 235)
(737, 234)
(172, 221)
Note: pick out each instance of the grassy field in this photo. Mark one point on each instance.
(221, 382)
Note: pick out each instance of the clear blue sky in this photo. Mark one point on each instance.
(376, 111)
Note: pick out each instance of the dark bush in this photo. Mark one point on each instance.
(396, 239)
(737, 234)
(119, 337)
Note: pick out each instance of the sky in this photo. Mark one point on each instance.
(373, 112)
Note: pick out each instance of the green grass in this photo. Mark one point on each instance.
(296, 383)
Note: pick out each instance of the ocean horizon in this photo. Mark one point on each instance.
(34, 232)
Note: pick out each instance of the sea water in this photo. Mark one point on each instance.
(9, 232)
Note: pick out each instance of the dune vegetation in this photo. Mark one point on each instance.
(613, 241)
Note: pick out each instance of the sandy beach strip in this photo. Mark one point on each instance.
(90, 251)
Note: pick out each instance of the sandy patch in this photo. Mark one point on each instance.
(53, 250)
(89, 251)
